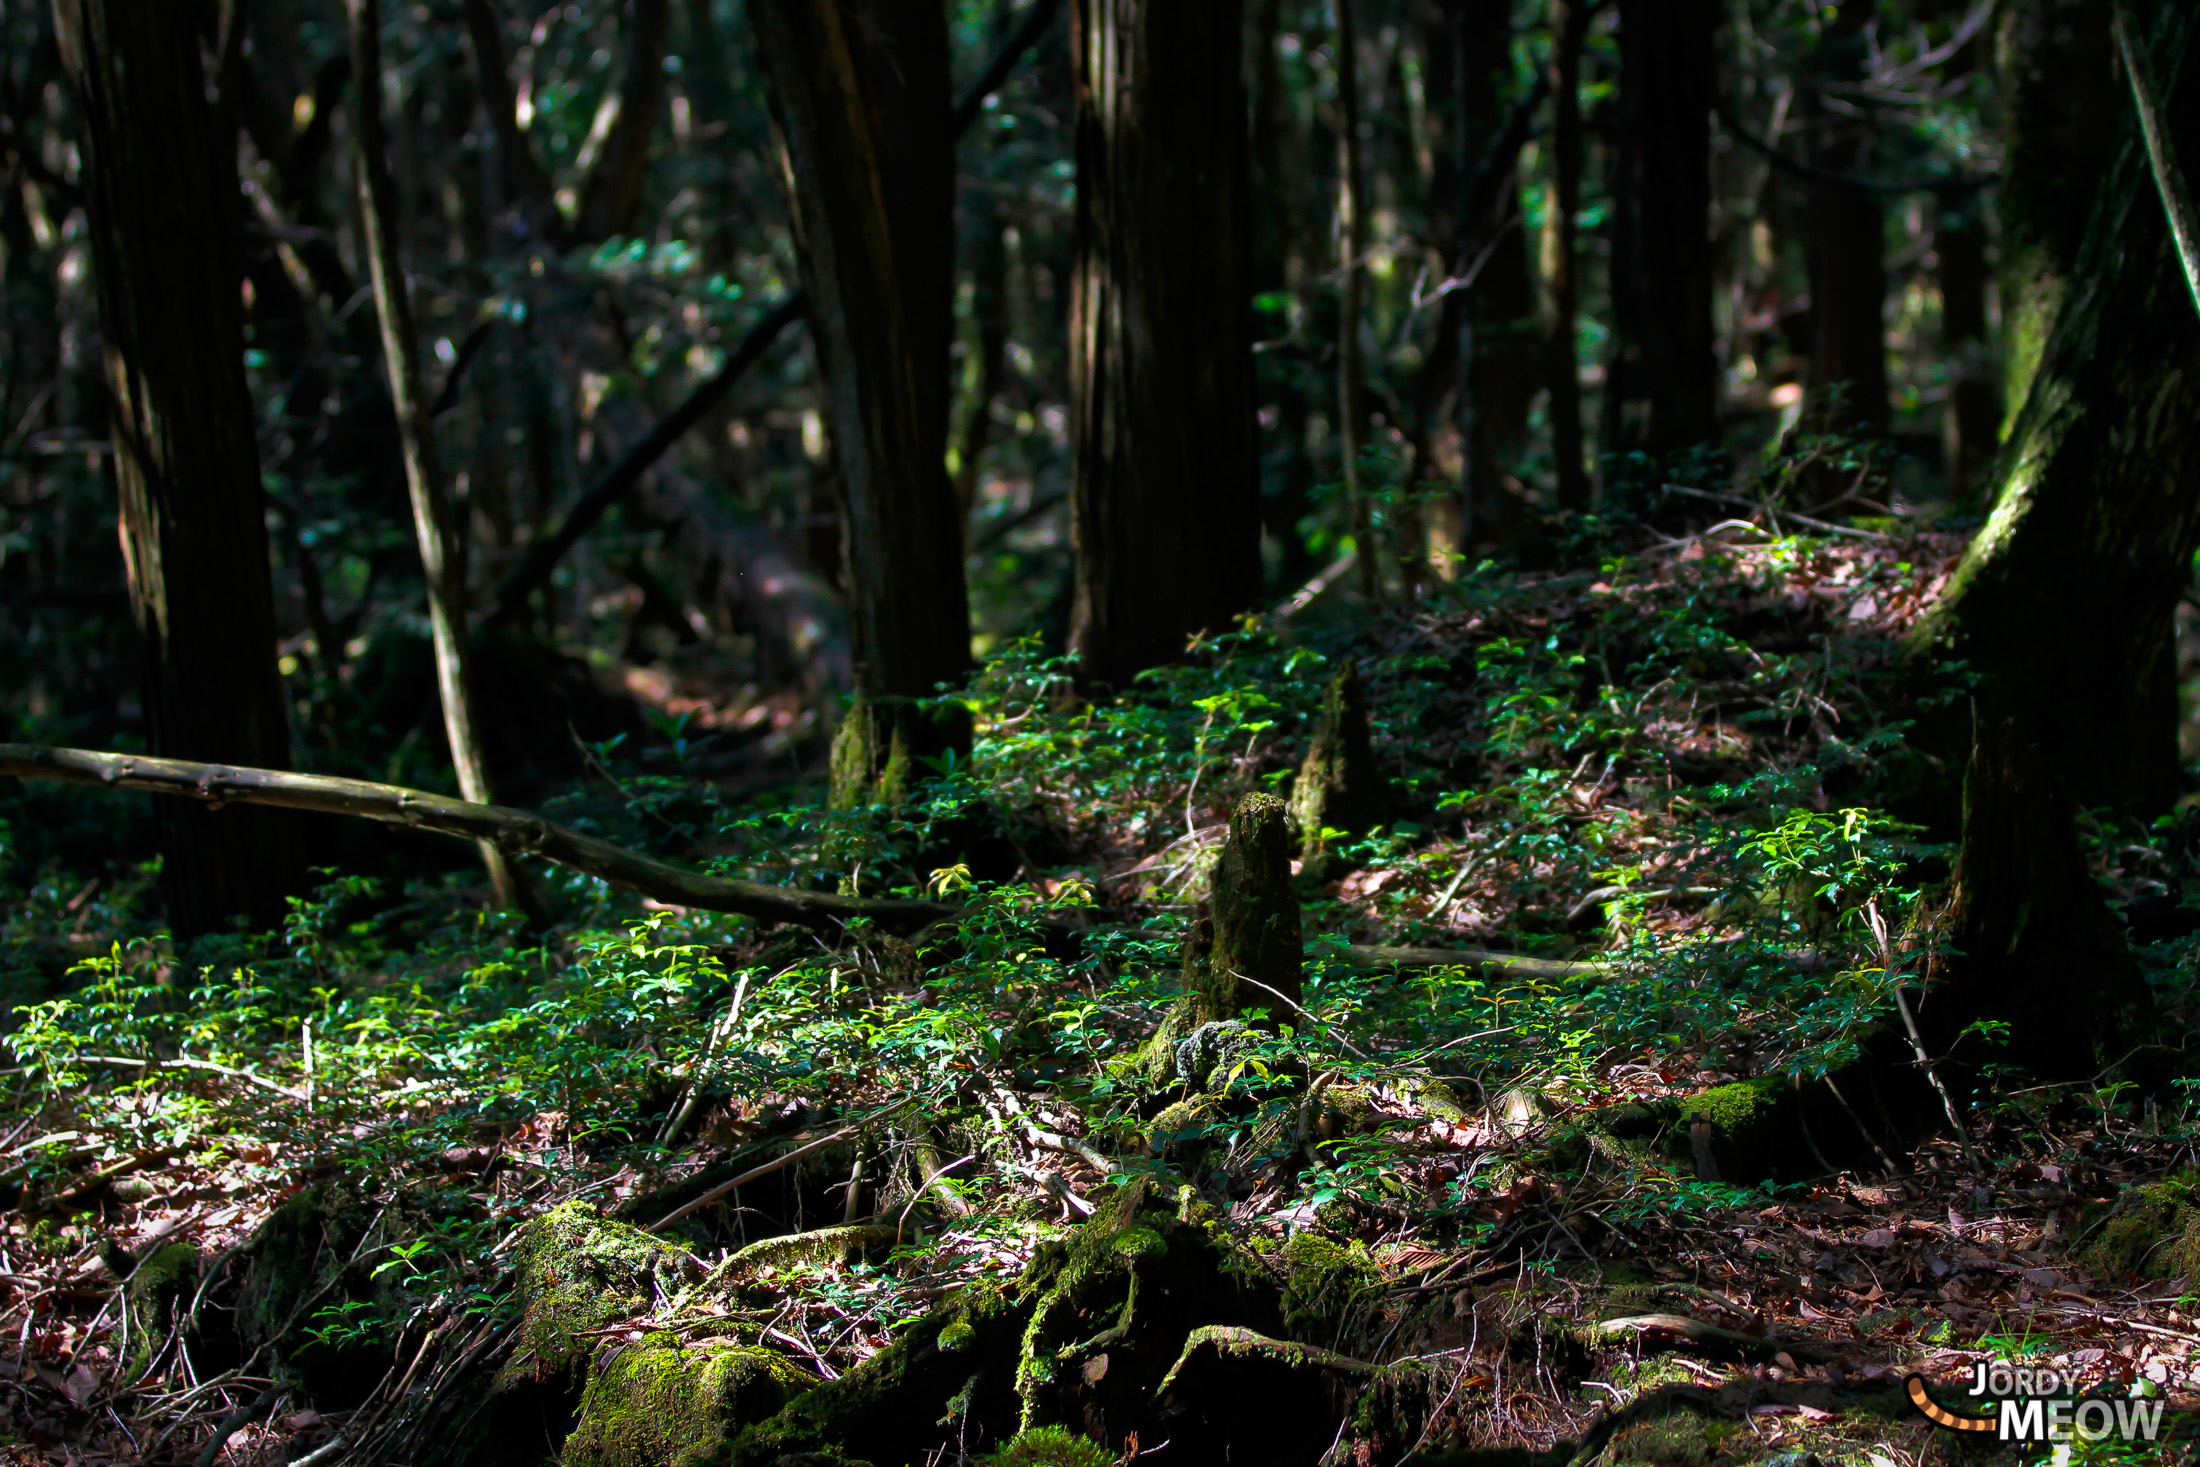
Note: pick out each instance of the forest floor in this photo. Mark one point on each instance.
(409, 1184)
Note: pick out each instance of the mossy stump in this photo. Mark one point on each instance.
(2147, 1233)
(1246, 950)
(662, 1403)
(158, 1283)
(1339, 788)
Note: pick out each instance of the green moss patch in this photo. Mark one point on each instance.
(2149, 1233)
(579, 1272)
(664, 1404)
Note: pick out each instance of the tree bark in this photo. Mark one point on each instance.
(2065, 600)
(1846, 244)
(2060, 96)
(442, 563)
(611, 188)
(160, 184)
(1569, 21)
(1165, 506)
(1352, 237)
(1500, 336)
(1661, 384)
(859, 92)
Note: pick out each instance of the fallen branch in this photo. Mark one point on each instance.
(1230, 1339)
(777, 1162)
(516, 831)
(520, 832)
(1697, 1332)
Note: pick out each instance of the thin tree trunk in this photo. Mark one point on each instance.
(2060, 96)
(1569, 21)
(2066, 599)
(160, 184)
(611, 189)
(989, 322)
(441, 563)
(1352, 237)
(1847, 246)
(859, 92)
(1661, 386)
(1165, 504)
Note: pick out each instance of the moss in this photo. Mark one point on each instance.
(807, 1250)
(156, 1285)
(952, 1358)
(1441, 1101)
(662, 1404)
(579, 1272)
(1340, 786)
(1185, 1121)
(2150, 1232)
(1324, 1280)
(1050, 1446)
(1732, 1109)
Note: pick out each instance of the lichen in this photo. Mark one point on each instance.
(579, 1272)
(660, 1403)
(1050, 1446)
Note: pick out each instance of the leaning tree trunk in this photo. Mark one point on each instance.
(442, 564)
(1661, 386)
(1847, 245)
(160, 183)
(859, 92)
(1165, 505)
(2066, 599)
(2060, 97)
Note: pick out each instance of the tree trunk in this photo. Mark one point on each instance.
(1165, 507)
(1501, 335)
(2060, 96)
(1846, 250)
(1661, 387)
(1569, 21)
(442, 563)
(2066, 598)
(1352, 239)
(1971, 418)
(611, 188)
(859, 92)
(161, 186)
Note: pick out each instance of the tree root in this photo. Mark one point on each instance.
(1230, 1339)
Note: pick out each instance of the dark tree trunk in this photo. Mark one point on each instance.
(1501, 335)
(1352, 239)
(2067, 596)
(1971, 421)
(611, 190)
(1569, 29)
(160, 182)
(1165, 507)
(859, 93)
(2060, 96)
(1846, 243)
(1661, 387)
(988, 369)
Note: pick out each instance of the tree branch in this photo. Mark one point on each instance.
(2169, 177)
(512, 831)
(1036, 22)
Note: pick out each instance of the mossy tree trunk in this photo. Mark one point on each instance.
(160, 183)
(1340, 787)
(2060, 97)
(859, 92)
(2065, 600)
(1165, 505)
(2034, 944)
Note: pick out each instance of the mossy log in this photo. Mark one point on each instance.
(1340, 788)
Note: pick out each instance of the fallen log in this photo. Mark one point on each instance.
(521, 832)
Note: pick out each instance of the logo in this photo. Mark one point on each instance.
(2037, 1404)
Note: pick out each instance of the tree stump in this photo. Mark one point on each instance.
(1339, 788)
